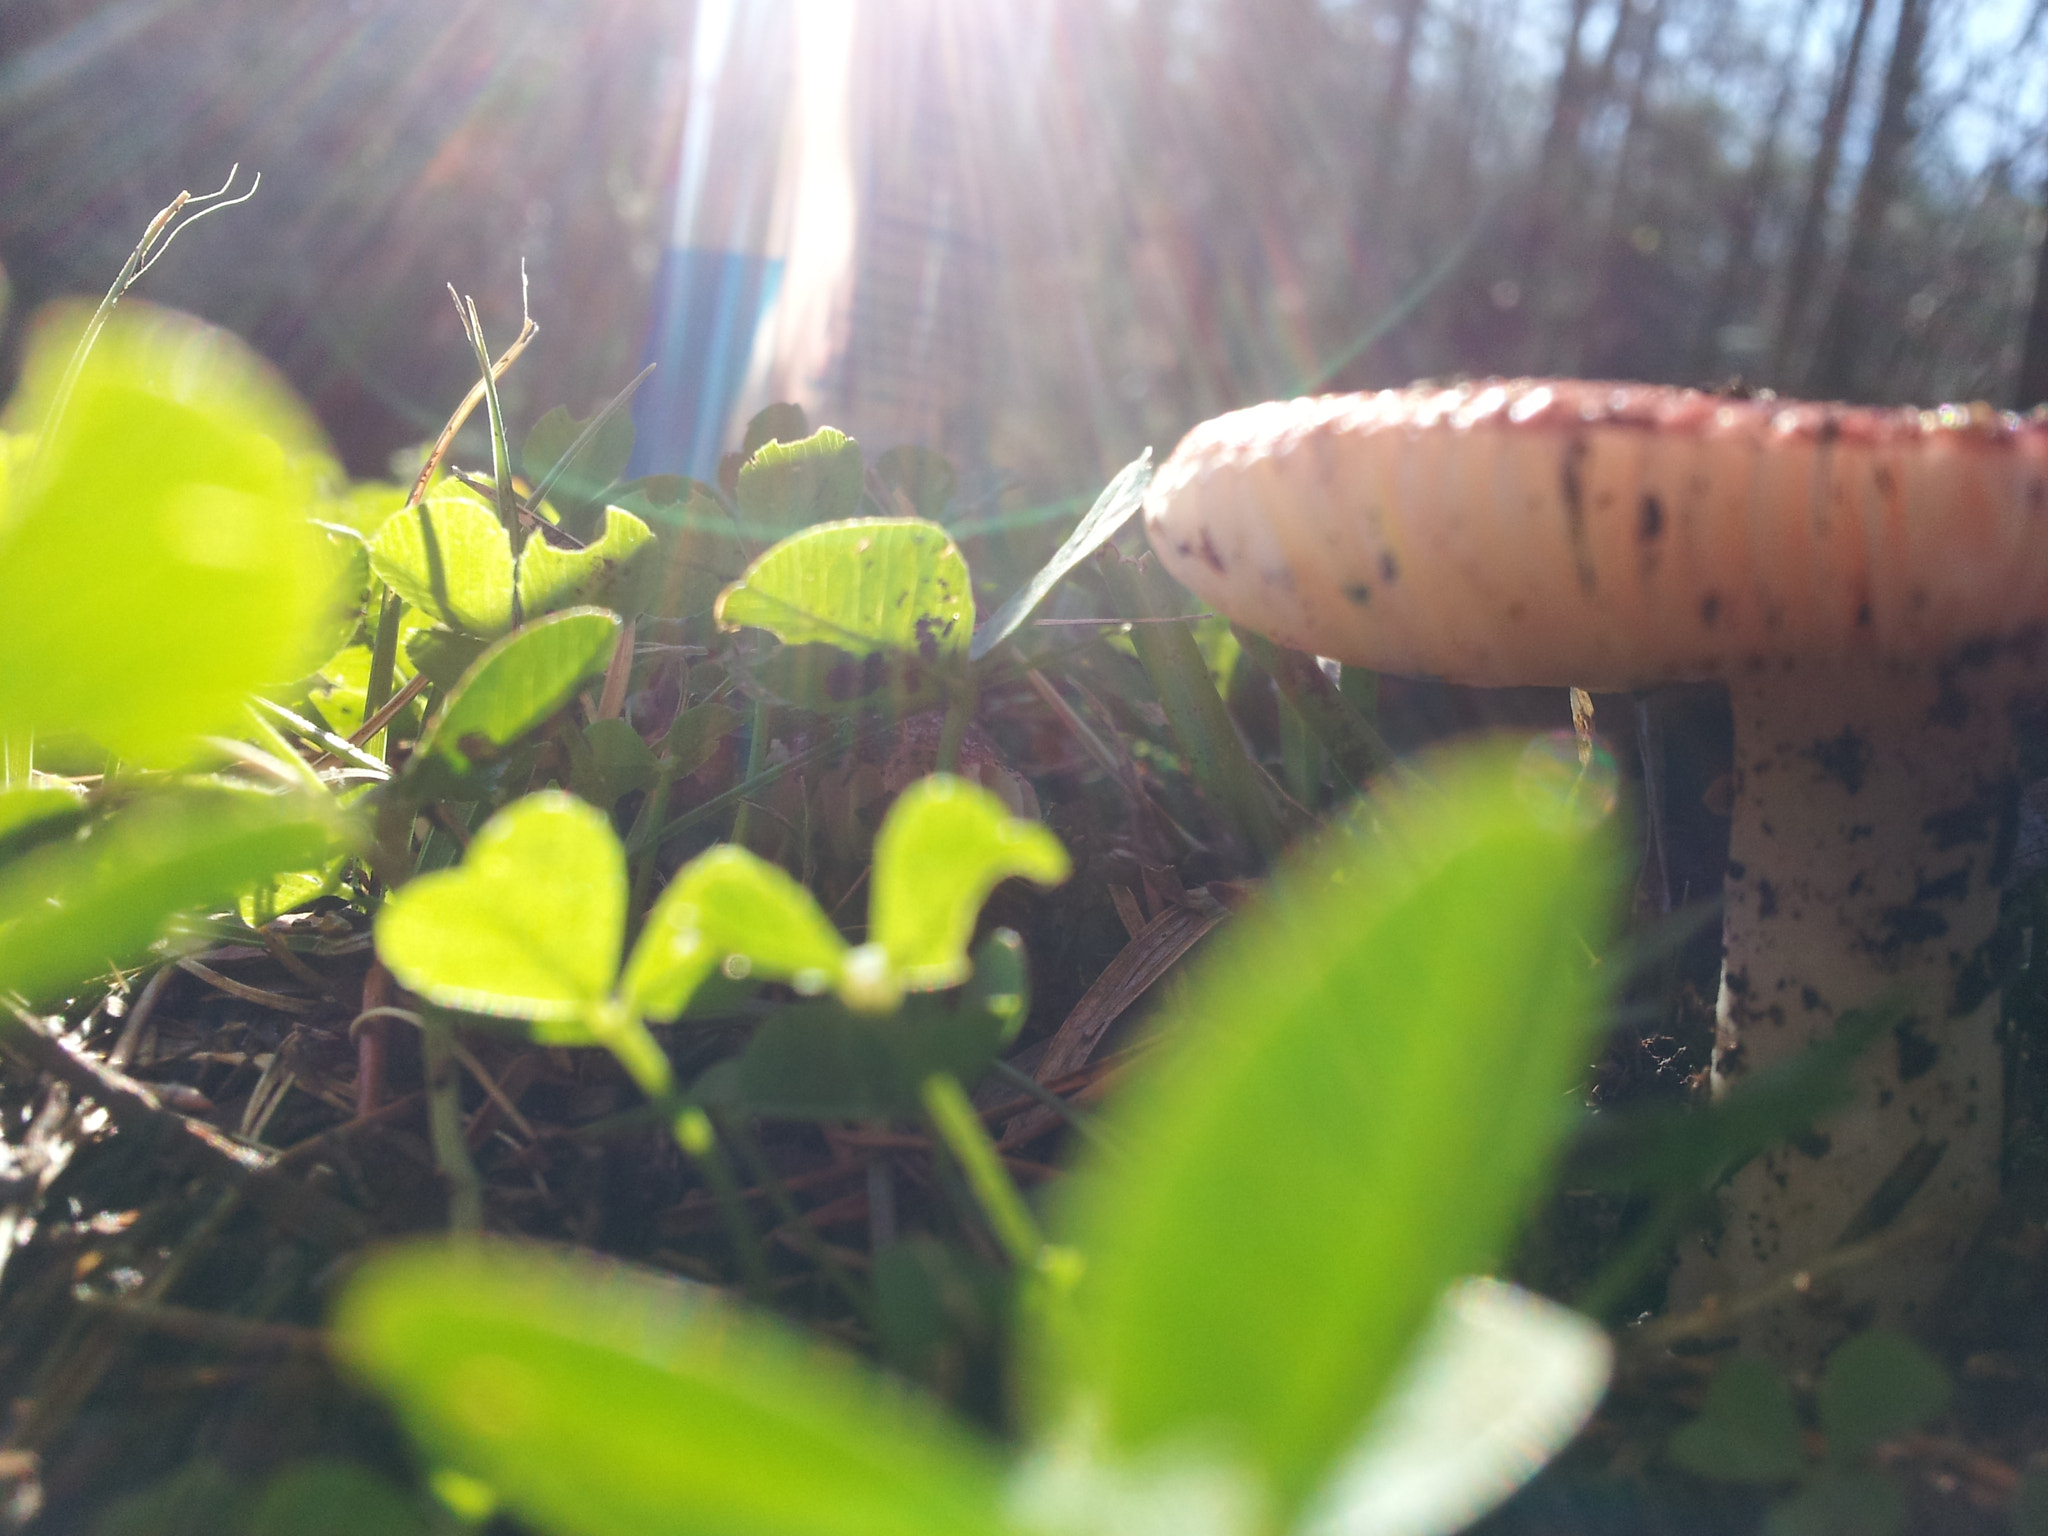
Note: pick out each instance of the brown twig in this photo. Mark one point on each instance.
(372, 1030)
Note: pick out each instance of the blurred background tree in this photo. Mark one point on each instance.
(1072, 227)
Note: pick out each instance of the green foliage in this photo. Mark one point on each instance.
(603, 1400)
(1310, 1135)
(739, 911)
(334, 1498)
(875, 584)
(1387, 1046)
(700, 548)
(449, 557)
(287, 891)
(785, 486)
(783, 421)
(529, 927)
(199, 1499)
(1499, 1379)
(939, 855)
(516, 684)
(362, 508)
(157, 561)
(602, 571)
(1390, 1038)
(73, 908)
(22, 811)
(1830, 1503)
(697, 732)
(579, 483)
(1117, 505)
(822, 1061)
(611, 760)
(532, 923)
(1875, 1387)
(1748, 1430)
(1878, 1385)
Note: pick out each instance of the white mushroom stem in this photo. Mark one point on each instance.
(1873, 816)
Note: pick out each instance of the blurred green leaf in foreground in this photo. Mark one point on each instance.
(1252, 1321)
(158, 561)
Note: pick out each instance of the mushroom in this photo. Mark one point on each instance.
(1871, 585)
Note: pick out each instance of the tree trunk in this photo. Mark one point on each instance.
(1738, 263)
(1567, 349)
(1553, 176)
(1390, 123)
(1804, 265)
(2031, 388)
(1835, 354)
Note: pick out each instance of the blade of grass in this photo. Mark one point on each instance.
(501, 448)
(611, 408)
(960, 1128)
(383, 661)
(800, 1229)
(1201, 725)
(444, 1124)
(846, 738)
(1360, 753)
(157, 236)
(527, 331)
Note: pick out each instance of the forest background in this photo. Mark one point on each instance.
(1145, 211)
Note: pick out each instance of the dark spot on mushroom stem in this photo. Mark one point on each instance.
(1814, 1144)
(1209, 555)
(1894, 1191)
(1859, 832)
(1390, 569)
(1910, 925)
(1737, 870)
(1650, 524)
(1972, 656)
(1844, 758)
(1737, 983)
(1863, 616)
(1917, 1053)
(1358, 592)
(1953, 886)
(1811, 1000)
(1986, 970)
(1571, 487)
(1951, 708)
(1990, 814)
(1766, 899)
(1710, 609)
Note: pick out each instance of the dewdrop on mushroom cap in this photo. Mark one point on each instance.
(1872, 586)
